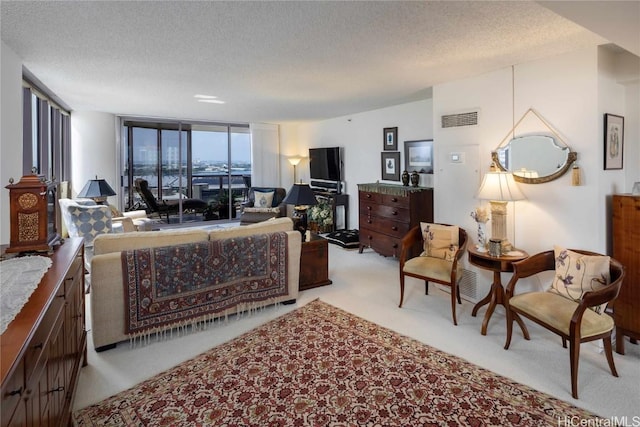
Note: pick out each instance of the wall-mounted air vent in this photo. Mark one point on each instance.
(461, 119)
(468, 286)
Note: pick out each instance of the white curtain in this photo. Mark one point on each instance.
(265, 155)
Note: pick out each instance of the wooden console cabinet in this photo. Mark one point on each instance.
(45, 345)
(626, 249)
(388, 212)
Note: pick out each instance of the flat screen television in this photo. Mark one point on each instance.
(324, 163)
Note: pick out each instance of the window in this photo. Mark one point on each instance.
(46, 134)
(181, 159)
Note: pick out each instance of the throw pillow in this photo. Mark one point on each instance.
(440, 241)
(577, 274)
(263, 199)
(348, 239)
(89, 221)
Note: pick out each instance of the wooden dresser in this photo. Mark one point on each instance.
(45, 345)
(388, 212)
(626, 249)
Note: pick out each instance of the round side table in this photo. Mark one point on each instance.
(497, 264)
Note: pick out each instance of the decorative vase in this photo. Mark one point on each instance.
(415, 178)
(405, 178)
(482, 238)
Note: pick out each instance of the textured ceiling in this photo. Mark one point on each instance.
(272, 61)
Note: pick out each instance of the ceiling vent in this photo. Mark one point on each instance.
(461, 119)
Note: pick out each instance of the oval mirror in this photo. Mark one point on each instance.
(534, 159)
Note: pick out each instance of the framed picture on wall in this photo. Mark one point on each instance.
(613, 141)
(418, 156)
(391, 166)
(390, 139)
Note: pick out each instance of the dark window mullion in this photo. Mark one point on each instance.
(27, 131)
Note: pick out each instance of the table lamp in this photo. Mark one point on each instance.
(301, 196)
(499, 188)
(98, 190)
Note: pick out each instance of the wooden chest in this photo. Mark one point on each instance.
(387, 212)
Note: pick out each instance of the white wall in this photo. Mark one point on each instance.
(11, 134)
(94, 150)
(361, 137)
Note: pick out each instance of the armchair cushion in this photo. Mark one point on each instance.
(556, 311)
(440, 241)
(576, 274)
(435, 268)
(262, 210)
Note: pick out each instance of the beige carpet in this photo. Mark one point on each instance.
(367, 286)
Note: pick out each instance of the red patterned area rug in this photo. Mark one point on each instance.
(321, 366)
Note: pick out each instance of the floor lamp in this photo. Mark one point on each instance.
(499, 188)
(294, 162)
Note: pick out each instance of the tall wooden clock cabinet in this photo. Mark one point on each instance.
(33, 214)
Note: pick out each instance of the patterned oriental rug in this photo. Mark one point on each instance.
(171, 285)
(321, 366)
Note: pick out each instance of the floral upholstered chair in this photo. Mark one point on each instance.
(440, 248)
(574, 305)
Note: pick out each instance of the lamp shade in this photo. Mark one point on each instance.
(294, 160)
(300, 194)
(96, 188)
(499, 186)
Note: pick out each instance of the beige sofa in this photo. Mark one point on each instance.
(107, 284)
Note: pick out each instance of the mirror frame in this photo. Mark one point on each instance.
(571, 158)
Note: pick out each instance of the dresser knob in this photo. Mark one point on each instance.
(395, 213)
(394, 228)
(369, 221)
(368, 196)
(394, 200)
(38, 346)
(395, 246)
(368, 208)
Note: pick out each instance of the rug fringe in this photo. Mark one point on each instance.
(204, 322)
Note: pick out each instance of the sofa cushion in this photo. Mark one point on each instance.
(577, 274)
(108, 243)
(270, 226)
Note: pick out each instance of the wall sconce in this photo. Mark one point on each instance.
(294, 162)
(98, 190)
(499, 188)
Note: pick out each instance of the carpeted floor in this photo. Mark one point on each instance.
(322, 366)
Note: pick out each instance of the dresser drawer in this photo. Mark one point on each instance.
(394, 212)
(389, 200)
(385, 225)
(382, 243)
(370, 197)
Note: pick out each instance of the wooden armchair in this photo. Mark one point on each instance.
(572, 320)
(427, 268)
